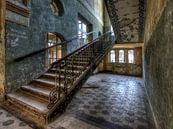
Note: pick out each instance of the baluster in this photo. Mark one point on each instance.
(59, 82)
(65, 76)
(72, 72)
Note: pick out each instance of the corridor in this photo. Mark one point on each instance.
(105, 101)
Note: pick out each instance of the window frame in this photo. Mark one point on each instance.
(123, 61)
(114, 56)
(133, 56)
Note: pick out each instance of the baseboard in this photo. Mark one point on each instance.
(151, 108)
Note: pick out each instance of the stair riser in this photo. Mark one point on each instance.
(75, 67)
(63, 72)
(52, 78)
(42, 96)
(80, 60)
(30, 116)
(41, 84)
(78, 63)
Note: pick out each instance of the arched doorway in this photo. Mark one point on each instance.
(58, 51)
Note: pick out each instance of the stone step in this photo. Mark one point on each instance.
(78, 62)
(75, 66)
(28, 101)
(41, 92)
(47, 83)
(53, 70)
(80, 59)
(70, 67)
(52, 76)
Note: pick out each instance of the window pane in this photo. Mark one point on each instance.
(80, 26)
(130, 56)
(112, 56)
(121, 56)
(84, 28)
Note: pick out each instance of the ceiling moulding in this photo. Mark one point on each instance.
(17, 7)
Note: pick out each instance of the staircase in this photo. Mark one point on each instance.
(40, 100)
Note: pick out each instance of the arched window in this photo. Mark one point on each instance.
(58, 51)
(57, 7)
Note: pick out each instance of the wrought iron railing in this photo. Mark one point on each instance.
(71, 67)
(75, 38)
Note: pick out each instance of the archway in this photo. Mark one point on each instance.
(58, 51)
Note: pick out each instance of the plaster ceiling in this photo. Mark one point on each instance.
(127, 17)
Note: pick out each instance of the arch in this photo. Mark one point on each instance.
(56, 52)
(57, 7)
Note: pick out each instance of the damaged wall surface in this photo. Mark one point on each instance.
(158, 61)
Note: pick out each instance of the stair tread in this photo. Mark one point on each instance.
(53, 75)
(40, 90)
(29, 101)
(45, 81)
(49, 82)
(62, 70)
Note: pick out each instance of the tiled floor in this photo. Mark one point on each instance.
(105, 102)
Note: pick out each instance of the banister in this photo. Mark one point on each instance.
(44, 49)
(72, 71)
(79, 49)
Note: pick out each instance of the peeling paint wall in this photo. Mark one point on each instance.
(154, 10)
(158, 61)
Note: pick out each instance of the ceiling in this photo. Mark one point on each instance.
(127, 18)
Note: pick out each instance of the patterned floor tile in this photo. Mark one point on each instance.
(105, 101)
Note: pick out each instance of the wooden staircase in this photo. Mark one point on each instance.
(39, 101)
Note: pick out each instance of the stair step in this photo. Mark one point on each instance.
(63, 70)
(28, 101)
(43, 83)
(46, 83)
(53, 76)
(79, 63)
(75, 66)
(38, 91)
(79, 59)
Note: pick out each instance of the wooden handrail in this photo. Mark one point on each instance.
(92, 53)
(79, 49)
(44, 49)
